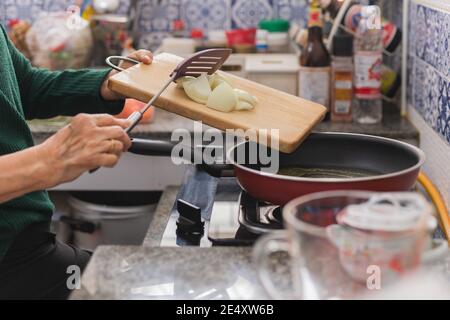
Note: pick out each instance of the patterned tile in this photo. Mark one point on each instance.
(292, 10)
(428, 66)
(57, 5)
(124, 6)
(419, 32)
(157, 15)
(442, 110)
(23, 9)
(248, 13)
(206, 14)
(154, 21)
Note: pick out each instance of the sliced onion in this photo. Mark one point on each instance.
(245, 96)
(180, 81)
(223, 98)
(198, 89)
(244, 105)
(216, 79)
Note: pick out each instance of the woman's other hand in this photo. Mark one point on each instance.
(88, 142)
(143, 56)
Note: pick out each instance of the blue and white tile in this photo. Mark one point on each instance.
(28, 10)
(206, 14)
(248, 13)
(152, 40)
(419, 98)
(124, 6)
(292, 10)
(157, 15)
(443, 44)
(428, 66)
(154, 21)
(57, 5)
(433, 23)
(442, 125)
(412, 10)
(419, 31)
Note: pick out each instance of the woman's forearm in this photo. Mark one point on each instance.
(23, 172)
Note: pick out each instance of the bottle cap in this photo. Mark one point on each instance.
(343, 44)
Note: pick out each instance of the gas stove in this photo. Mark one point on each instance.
(211, 211)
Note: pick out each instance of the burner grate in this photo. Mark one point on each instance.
(259, 217)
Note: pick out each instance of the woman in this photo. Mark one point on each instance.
(32, 263)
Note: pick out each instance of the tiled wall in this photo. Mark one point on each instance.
(429, 65)
(155, 16)
(428, 91)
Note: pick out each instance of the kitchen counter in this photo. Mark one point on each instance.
(153, 272)
(392, 126)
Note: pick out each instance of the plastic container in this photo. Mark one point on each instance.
(217, 38)
(278, 35)
(367, 79)
(278, 42)
(261, 41)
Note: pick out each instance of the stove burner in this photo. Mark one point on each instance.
(274, 215)
(258, 217)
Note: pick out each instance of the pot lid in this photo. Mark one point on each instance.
(394, 212)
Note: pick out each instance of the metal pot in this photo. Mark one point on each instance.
(94, 222)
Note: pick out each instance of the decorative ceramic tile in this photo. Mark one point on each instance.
(443, 44)
(124, 6)
(292, 10)
(57, 5)
(154, 20)
(428, 66)
(157, 15)
(443, 110)
(206, 14)
(23, 9)
(248, 13)
(419, 32)
(152, 40)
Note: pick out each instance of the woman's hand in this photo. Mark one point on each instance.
(143, 56)
(88, 142)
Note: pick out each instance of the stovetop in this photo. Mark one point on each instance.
(211, 211)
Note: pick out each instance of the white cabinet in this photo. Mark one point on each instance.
(278, 71)
(133, 172)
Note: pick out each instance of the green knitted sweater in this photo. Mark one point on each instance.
(29, 93)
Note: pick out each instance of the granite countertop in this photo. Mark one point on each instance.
(153, 272)
(392, 126)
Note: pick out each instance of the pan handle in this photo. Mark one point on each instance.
(115, 67)
(147, 147)
(163, 148)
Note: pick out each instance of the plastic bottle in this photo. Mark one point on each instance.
(367, 77)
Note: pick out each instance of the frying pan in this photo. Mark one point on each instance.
(382, 164)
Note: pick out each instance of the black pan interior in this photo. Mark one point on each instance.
(339, 151)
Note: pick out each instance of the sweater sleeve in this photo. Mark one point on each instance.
(46, 94)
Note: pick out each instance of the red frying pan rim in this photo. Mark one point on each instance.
(417, 166)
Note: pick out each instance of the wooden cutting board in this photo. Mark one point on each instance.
(293, 116)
